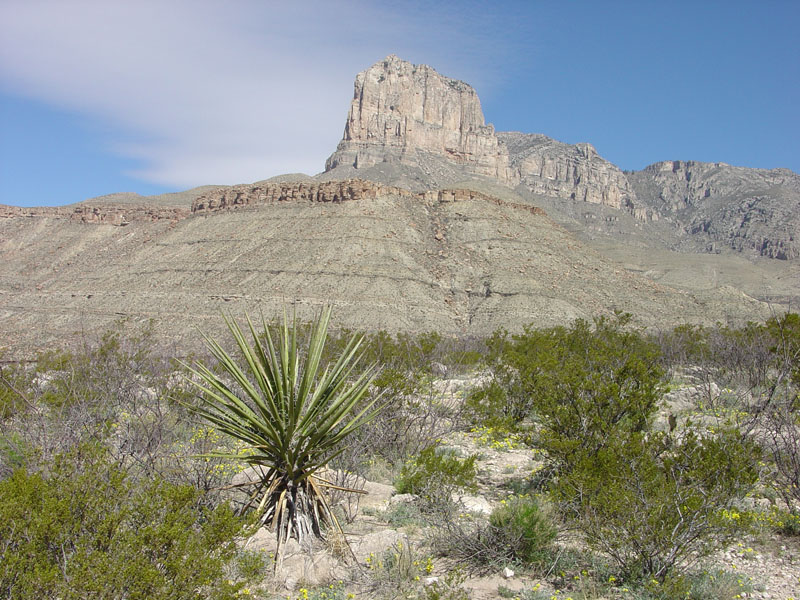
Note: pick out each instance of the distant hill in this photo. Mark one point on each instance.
(425, 219)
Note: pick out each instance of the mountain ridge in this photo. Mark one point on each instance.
(425, 219)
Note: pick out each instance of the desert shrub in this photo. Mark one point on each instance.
(584, 382)
(434, 470)
(413, 415)
(14, 384)
(402, 514)
(116, 390)
(447, 587)
(589, 385)
(653, 503)
(519, 531)
(85, 529)
(497, 407)
(760, 366)
(412, 418)
(775, 420)
(332, 591)
(523, 529)
(401, 566)
(730, 356)
(697, 585)
(595, 390)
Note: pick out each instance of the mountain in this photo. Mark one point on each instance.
(409, 125)
(715, 205)
(424, 219)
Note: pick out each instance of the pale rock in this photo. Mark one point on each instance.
(403, 499)
(718, 205)
(685, 398)
(474, 504)
(313, 567)
(551, 168)
(410, 114)
(508, 573)
(399, 109)
(378, 495)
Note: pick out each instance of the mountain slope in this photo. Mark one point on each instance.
(459, 262)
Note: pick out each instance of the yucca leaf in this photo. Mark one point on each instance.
(289, 411)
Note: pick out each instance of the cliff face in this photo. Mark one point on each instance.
(715, 205)
(411, 117)
(399, 109)
(550, 168)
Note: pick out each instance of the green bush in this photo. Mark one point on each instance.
(595, 390)
(523, 528)
(435, 468)
(85, 529)
(653, 503)
(14, 382)
(585, 383)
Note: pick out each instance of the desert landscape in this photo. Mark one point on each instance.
(578, 381)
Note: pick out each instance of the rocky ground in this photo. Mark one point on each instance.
(759, 564)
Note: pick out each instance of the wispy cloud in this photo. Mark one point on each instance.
(205, 91)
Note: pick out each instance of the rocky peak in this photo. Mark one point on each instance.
(400, 110)
(410, 117)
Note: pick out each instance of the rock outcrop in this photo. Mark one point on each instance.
(240, 196)
(717, 205)
(254, 195)
(110, 214)
(551, 168)
(412, 117)
(401, 111)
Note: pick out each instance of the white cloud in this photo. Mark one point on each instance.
(222, 92)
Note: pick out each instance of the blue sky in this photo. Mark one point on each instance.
(98, 96)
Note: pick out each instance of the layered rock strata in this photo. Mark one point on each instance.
(455, 261)
(411, 115)
(551, 168)
(111, 214)
(400, 110)
(249, 196)
(717, 205)
(240, 196)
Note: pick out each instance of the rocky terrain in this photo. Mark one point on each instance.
(396, 132)
(457, 261)
(400, 111)
(760, 564)
(425, 218)
(716, 206)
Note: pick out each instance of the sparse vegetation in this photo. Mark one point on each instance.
(435, 471)
(291, 415)
(693, 431)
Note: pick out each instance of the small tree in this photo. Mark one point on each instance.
(291, 416)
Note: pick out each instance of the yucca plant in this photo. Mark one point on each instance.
(290, 413)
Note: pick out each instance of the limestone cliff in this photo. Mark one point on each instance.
(551, 168)
(717, 205)
(406, 118)
(400, 109)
